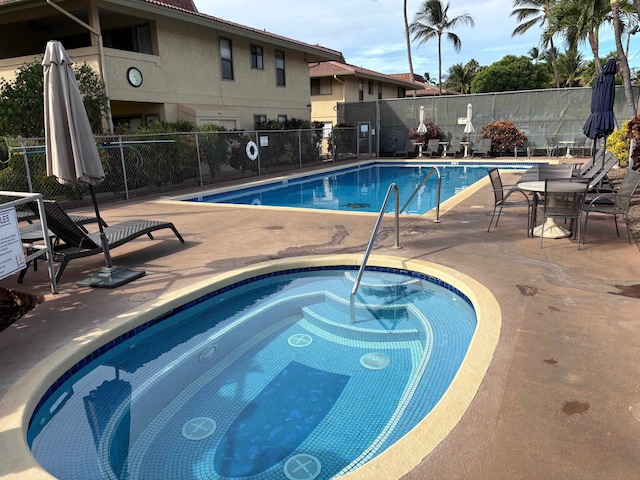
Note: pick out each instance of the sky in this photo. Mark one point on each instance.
(370, 33)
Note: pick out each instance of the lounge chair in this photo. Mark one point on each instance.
(76, 243)
(596, 177)
(484, 148)
(28, 216)
(618, 202)
(433, 147)
(502, 194)
(592, 163)
(455, 148)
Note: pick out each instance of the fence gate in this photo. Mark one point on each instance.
(364, 138)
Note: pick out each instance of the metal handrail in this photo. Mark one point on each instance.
(392, 187)
(424, 180)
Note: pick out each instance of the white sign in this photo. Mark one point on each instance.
(264, 141)
(462, 120)
(11, 252)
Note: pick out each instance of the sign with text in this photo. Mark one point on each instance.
(11, 252)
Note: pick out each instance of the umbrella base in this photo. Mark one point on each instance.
(111, 277)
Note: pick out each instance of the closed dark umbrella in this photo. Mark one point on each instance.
(602, 121)
(72, 155)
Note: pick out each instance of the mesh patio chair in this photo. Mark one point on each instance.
(567, 206)
(577, 149)
(618, 202)
(552, 146)
(502, 199)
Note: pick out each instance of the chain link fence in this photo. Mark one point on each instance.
(140, 165)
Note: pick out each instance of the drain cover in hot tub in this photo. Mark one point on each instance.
(375, 361)
(302, 467)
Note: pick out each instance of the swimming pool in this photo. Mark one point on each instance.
(205, 358)
(361, 188)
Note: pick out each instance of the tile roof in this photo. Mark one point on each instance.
(182, 4)
(424, 89)
(330, 68)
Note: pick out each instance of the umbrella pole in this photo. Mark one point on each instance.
(103, 237)
(110, 276)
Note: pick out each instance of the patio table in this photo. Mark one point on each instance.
(551, 228)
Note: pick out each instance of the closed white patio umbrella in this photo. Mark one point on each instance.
(422, 127)
(72, 155)
(468, 127)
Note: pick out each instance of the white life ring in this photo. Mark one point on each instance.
(252, 150)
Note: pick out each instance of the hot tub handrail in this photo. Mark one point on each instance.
(393, 187)
(424, 180)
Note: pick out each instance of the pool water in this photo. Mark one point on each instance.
(265, 379)
(360, 189)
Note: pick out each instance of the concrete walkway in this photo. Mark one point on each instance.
(555, 402)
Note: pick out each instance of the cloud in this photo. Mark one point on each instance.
(370, 33)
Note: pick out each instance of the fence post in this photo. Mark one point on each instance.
(124, 168)
(198, 159)
(300, 146)
(26, 165)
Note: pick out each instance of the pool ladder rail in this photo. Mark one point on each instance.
(392, 188)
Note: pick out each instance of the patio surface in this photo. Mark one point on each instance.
(555, 402)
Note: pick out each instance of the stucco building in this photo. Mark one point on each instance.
(164, 60)
(334, 82)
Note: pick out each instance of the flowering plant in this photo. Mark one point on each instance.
(504, 135)
(433, 131)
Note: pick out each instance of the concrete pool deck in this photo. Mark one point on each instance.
(555, 401)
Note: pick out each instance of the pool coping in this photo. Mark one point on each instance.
(17, 406)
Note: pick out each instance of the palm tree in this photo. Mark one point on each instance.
(537, 12)
(535, 54)
(408, 38)
(433, 22)
(580, 20)
(460, 76)
(622, 58)
(572, 67)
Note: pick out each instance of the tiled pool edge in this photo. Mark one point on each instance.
(20, 401)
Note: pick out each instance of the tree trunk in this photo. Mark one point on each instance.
(406, 32)
(554, 62)
(440, 64)
(624, 65)
(593, 43)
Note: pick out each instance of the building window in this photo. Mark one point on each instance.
(320, 86)
(379, 90)
(257, 59)
(370, 87)
(258, 120)
(361, 90)
(402, 92)
(282, 118)
(280, 76)
(226, 59)
(135, 38)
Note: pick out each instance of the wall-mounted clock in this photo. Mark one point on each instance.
(134, 76)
